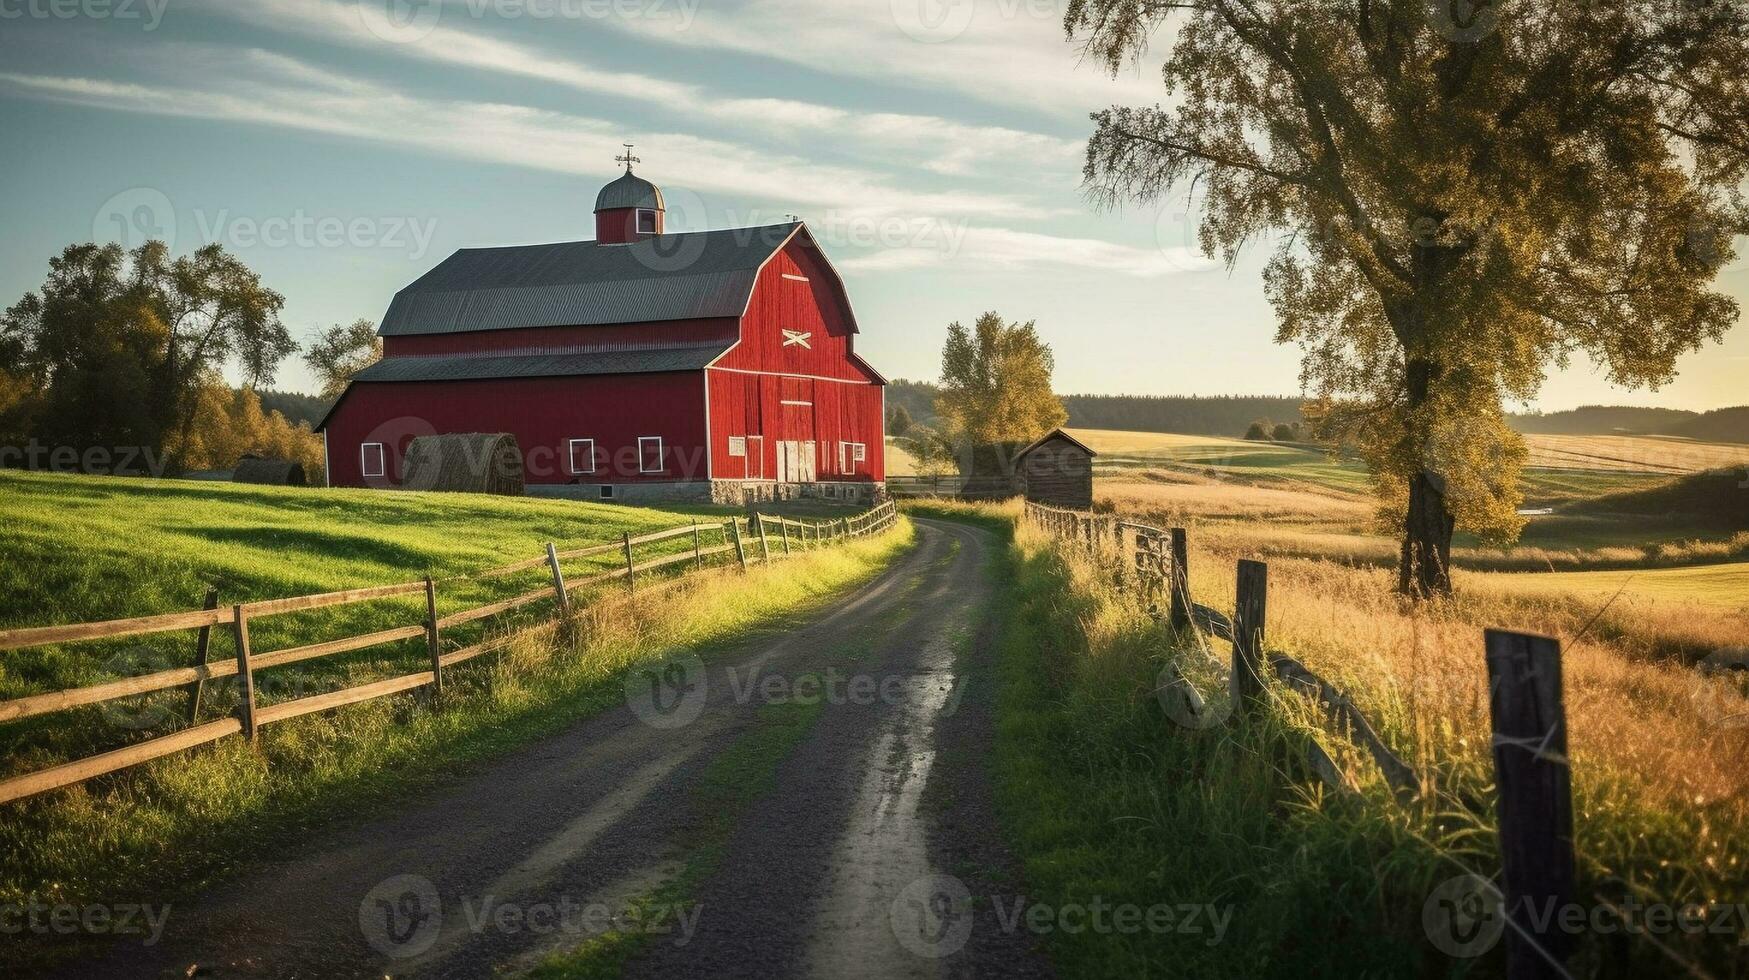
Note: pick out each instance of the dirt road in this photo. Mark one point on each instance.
(816, 805)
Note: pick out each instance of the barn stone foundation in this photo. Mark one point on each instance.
(736, 493)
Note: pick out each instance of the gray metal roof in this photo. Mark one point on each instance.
(471, 367)
(683, 276)
(629, 191)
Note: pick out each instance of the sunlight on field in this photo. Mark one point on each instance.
(1724, 586)
(1633, 454)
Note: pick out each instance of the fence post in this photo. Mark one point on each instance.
(1248, 616)
(631, 569)
(558, 579)
(245, 674)
(764, 547)
(783, 529)
(1179, 582)
(202, 644)
(1535, 804)
(697, 546)
(432, 643)
(740, 549)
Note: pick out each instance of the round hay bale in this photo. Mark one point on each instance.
(470, 462)
(270, 472)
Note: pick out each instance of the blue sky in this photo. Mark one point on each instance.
(342, 148)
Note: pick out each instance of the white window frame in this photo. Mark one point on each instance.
(849, 454)
(738, 446)
(571, 456)
(638, 221)
(382, 460)
(661, 455)
(794, 277)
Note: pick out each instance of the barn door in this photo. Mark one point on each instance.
(755, 457)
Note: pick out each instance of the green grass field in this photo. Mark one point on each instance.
(94, 548)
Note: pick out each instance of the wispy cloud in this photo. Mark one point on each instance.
(937, 144)
(263, 88)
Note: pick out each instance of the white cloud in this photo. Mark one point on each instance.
(1009, 52)
(936, 144)
(1008, 249)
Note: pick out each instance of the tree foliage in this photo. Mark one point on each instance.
(1466, 201)
(115, 348)
(339, 352)
(996, 383)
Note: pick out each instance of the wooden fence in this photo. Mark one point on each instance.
(738, 537)
(1531, 768)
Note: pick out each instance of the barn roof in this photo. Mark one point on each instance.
(477, 367)
(471, 367)
(629, 191)
(1056, 434)
(683, 276)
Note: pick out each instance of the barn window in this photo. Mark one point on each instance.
(582, 455)
(737, 445)
(646, 221)
(607, 491)
(650, 454)
(795, 277)
(370, 458)
(851, 453)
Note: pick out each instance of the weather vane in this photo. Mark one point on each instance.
(627, 158)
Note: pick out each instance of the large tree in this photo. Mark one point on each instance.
(1466, 193)
(116, 346)
(995, 387)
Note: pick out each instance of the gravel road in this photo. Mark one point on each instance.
(871, 850)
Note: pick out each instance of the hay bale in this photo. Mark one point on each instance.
(270, 472)
(470, 462)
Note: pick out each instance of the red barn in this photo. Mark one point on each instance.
(709, 365)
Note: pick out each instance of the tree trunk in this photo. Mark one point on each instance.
(1424, 569)
(1424, 565)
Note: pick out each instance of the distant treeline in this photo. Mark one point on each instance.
(1719, 425)
(1231, 415)
(294, 405)
(1196, 415)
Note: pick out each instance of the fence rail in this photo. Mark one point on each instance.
(1528, 716)
(247, 662)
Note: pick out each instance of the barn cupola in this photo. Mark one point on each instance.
(629, 208)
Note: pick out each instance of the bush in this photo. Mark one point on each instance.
(1259, 431)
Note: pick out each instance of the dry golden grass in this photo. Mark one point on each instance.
(1661, 793)
(1644, 454)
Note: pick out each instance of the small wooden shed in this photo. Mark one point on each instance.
(1057, 470)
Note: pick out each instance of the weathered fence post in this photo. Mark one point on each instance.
(740, 549)
(697, 546)
(631, 569)
(432, 643)
(245, 675)
(764, 546)
(558, 579)
(1248, 617)
(202, 644)
(783, 529)
(1535, 804)
(1179, 580)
